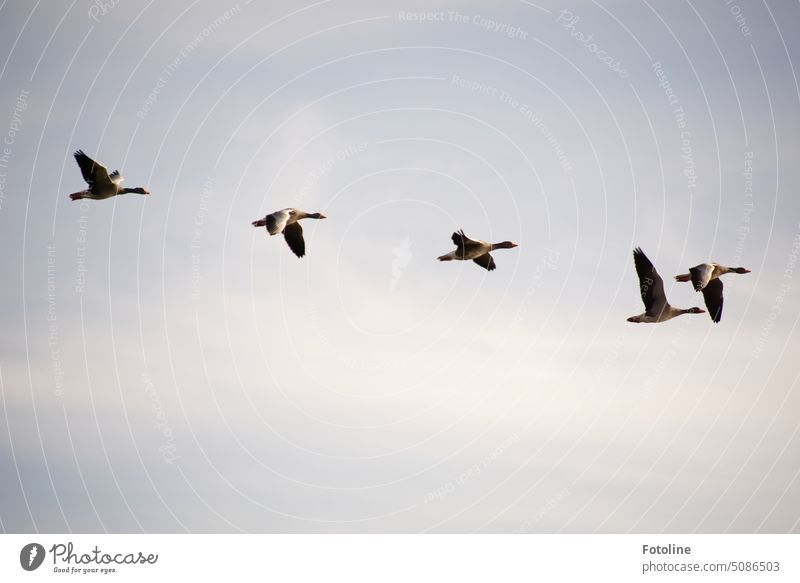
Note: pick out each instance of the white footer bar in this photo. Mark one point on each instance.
(372, 558)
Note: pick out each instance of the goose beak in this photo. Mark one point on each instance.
(514, 245)
(322, 216)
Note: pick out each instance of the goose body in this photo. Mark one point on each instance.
(102, 185)
(706, 278)
(651, 287)
(286, 221)
(474, 249)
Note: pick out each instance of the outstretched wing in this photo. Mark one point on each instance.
(486, 261)
(294, 237)
(459, 238)
(701, 275)
(467, 247)
(276, 222)
(93, 173)
(651, 285)
(712, 294)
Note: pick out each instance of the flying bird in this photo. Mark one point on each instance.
(285, 221)
(706, 278)
(475, 249)
(651, 286)
(102, 185)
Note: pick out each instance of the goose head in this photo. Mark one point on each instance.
(137, 190)
(298, 214)
(505, 245)
(694, 310)
(740, 270)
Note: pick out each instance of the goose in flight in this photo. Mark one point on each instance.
(656, 306)
(475, 249)
(285, 221)
(706, 278)
(101, 184)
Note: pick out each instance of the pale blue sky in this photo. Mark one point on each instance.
(185, 372)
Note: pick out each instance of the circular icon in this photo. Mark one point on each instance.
(31, 556)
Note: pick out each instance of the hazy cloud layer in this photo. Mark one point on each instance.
(165, 367)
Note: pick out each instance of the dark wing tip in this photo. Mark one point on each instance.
(639, 258)
(642, 262)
